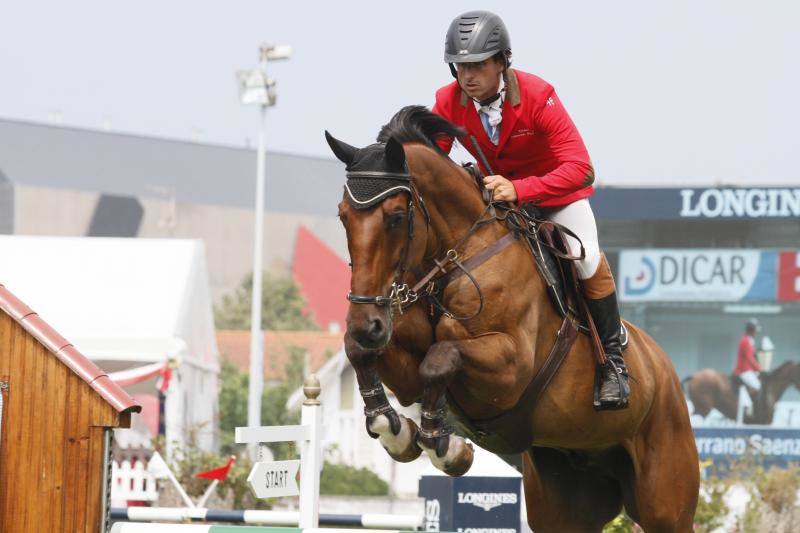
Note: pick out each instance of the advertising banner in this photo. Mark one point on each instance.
(711, 275)
(697, 275)
(769, 446)
(620, 203)
(477, 504)
(789, 276)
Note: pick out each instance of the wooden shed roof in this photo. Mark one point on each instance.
(66, 353)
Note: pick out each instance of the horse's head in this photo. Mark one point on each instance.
(377, 212)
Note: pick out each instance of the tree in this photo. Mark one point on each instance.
(339, 479)
(282, 306)
(233, 403)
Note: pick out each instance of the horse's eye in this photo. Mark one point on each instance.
(395, 220)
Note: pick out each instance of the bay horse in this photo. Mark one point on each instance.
(709, 389)
(406, 207)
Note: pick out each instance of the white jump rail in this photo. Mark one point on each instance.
(309, 434)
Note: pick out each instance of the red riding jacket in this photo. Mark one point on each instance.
(746, 359)
(539, 150)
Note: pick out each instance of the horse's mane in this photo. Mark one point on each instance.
(782, 367)
(415, 123)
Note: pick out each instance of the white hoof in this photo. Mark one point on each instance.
(403, 446)
(457, 460)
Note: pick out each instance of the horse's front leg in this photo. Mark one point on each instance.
(396, 433)
(449, 453)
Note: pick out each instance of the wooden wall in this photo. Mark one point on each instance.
(51, 452)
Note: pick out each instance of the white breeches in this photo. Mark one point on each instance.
(750, 378)
(579, 218)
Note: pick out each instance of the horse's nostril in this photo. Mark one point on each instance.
(375, 327)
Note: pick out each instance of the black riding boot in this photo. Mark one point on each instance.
(614, 389)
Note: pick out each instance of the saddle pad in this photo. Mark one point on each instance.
(554, 271)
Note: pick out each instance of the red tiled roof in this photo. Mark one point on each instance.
(323, 277)
(320, 346)
(66, 353)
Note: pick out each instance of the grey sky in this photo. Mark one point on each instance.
(668, 92)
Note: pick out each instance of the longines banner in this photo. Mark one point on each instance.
(712, 275)
(697, 203)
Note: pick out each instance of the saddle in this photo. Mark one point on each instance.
(510, 432)
(547, 242)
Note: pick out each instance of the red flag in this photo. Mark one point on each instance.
(163, 381)
(217, 473)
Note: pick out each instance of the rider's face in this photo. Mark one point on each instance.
(480, 80)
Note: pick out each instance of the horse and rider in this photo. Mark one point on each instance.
(711, 389)
(450, 304)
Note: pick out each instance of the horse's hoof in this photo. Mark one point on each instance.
(402, 447)
(458, 459)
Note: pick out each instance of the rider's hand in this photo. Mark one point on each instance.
(504, 190)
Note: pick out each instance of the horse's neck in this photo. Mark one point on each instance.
(455, 203)
(778, 381)
(452, 200)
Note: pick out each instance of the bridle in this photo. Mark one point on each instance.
(400, 294)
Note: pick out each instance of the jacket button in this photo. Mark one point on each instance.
(511, 173)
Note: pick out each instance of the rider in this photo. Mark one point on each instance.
(747, 367)
(537, 156)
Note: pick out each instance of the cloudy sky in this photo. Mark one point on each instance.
(702, 91)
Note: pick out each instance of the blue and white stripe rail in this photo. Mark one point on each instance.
(266, 518)
(129, 527)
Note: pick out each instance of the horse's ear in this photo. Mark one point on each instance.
(343, 151)
(395, 155)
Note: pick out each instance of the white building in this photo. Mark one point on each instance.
(126, 303)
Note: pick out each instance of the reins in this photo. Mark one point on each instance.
(519, 222)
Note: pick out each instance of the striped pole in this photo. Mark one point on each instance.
(261, 517)
(130, 527)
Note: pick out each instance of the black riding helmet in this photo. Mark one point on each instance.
(475, 36)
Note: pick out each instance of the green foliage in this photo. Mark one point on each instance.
(190, 461)
(622, 524)
(711, 507)
(233, 404)
(750, 521)
(274, 413)
(295, 367)
(778, 487)
(337, 479)
(281, 306)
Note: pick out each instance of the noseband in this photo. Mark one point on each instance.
(400, 295)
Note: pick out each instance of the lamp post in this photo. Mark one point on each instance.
(256, 88)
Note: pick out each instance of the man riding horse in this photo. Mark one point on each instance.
(747, 367)
(434, 317)
(538, 157)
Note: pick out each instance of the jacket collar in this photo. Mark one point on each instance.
(512, 90)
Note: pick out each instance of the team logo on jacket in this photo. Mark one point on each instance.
(521, 132)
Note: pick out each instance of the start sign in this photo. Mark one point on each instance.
(274, 479)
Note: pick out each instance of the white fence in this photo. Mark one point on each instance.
(132, 483)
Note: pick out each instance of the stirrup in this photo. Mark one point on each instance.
(622, 403)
